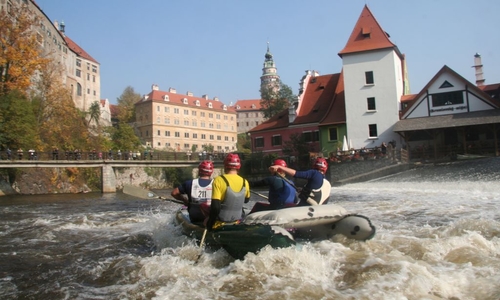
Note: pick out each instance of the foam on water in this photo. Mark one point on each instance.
(438, 237)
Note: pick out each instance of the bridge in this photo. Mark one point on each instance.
(108, 179)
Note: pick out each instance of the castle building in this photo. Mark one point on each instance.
(185, 123)
(81, 73)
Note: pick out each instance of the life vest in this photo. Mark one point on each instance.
(287, 196)
(320, 195)
(199, 195)
(232, 206)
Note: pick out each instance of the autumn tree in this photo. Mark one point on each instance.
(20, 51)
(275, 98)
(126, 105)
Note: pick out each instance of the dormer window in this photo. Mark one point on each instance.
(224, 107)
(238, 107)
(366, 32)
(253, 106)
(166, 98)
(209, 104)
(197, 103)
(185, 100)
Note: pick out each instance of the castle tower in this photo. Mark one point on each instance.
(269, 76)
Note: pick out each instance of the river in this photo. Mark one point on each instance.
(438, 237)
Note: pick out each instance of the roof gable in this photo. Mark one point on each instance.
(447, 80)
(367, 35)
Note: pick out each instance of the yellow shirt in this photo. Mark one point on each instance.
(219, 186)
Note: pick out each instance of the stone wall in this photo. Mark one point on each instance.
(355, 171)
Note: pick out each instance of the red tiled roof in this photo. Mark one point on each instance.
(318, 96)
(336, 111)
(174, 98)
(315, 104)
(113, 110)
(490, 87)
(78, 50)
(367, 35)
(248, 104)
(407, 98)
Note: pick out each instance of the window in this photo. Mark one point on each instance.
(88, 76)
(372, 128)
(159, 133)
(176, 111)
(371, 103)
(186, 146)
(211, 115)
(311, 136)
(219, 138)
(259, 142)
(276, 140)
(202, 114)
(451, 98)
(176, 122)
(94, 68)
(167, 109)
(167, 133)
(167, 121)
(369, 77)
(193, 113)
(217, 116)
(177, 134)
(203, 136)
(93, 78)
(158, 108)
(79, 63)
(195, 135)
(88, 91)
(211, 137)
(78, 89)
(78, 73)
(333, 134)
(195, 123)
(186, 134)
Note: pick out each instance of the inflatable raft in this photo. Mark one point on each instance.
(238, 239)
(280, 228)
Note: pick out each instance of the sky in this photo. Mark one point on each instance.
(217, 47)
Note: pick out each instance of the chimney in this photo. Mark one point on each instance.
(155, 87)
(216, 98)
(172, 90)
(478, 66)
(189, 94)
(205, 97)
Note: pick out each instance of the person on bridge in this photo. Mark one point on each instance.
(317, 189)
(282, 192)
(230, 191)
(197, 193)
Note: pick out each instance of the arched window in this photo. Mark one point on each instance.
(78, 89)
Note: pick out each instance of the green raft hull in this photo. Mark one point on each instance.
(240, 239)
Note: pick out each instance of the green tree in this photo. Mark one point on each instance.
(95, 112)
(275, 100)
(244, 144)
(123, 137)
(296, 146)
(17, 122)
(126, 105)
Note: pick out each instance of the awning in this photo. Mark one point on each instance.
(491, 116)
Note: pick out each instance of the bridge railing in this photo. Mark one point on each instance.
(114, 155)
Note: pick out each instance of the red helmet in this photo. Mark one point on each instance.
(320, 164)
(205, 168)
(280, 162)
(232, 161)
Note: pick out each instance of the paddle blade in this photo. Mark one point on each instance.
(138, 192)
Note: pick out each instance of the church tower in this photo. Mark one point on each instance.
(269, 76)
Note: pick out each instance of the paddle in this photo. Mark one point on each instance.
(309, 200)
(260, 195)
(145, 194)
(202, 246)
